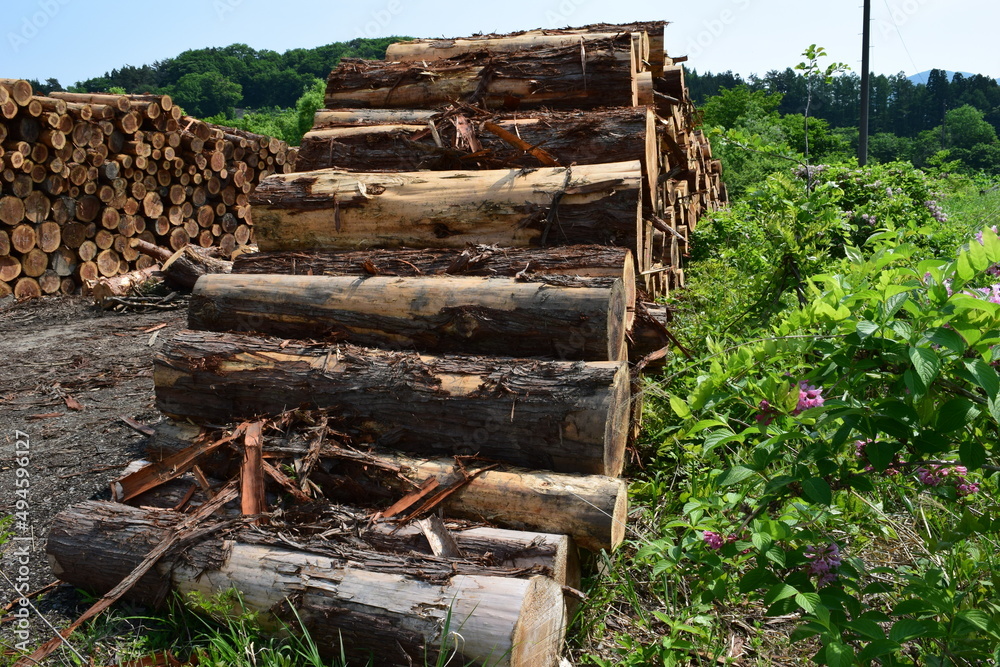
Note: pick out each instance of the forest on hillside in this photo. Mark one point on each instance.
(908, 121)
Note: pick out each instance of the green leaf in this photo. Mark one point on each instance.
(963, 267)
(680, 407)
(876, 649)
(905, 629)
(986, 377)
(866, 328)
(818, 490)
(879, 454)
(978, 257)
(734, 475)
(972, 453)
(866, 628)
(839, 655)
(756, 578)
(892, 305)
(913, 606)
(977, 619)
(947, 338)
(926, 363)
(955, 414)
(779, 592)
(807, 601)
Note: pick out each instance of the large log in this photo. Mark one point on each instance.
(567, 137)
(591, 509)
(420, 50)
(329, 209)
(562, 416)
(388, 608)
(597, 75)
(467, 315)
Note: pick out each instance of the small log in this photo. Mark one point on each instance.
(392, 607)
(562, 416)
(187, 265)
(122, 285)
(439, 315)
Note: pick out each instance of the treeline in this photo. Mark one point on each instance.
(942, 120)
(898, 105)
(207, 82)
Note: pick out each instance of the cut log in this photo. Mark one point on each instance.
(27, 288)
(498, 316)
(394, 608)
(338, 210)
(19, 89)
(568, 137)
(327, 118)
(562, 416)
(420, 50)
(122, 285)
(598, 75)
(185, 266)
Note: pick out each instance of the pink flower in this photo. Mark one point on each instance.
(824, 561)
(809, 397)
(939, 474)
(713, 541)
(767, 414)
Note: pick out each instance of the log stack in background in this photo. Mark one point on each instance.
(552, 101)
(81, 175)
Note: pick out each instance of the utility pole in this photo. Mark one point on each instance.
(865, 102)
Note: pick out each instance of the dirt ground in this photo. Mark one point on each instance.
(68, 373)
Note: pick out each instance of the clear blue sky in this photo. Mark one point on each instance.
(73, 40)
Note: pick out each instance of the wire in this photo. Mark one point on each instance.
(901, 40)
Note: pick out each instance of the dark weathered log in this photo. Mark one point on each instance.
(370, 604)
(563, 416)
(466, 315)
(568, 137)
(600, 74)
(338, 210)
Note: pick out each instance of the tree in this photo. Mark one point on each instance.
(730, 105)
(965, 127)
(207, 94)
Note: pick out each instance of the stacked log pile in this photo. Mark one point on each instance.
(438, 325)
(574, 105)
(81, 175)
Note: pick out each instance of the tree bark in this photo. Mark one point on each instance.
(466, 315)
(389, 607)
(121, 285)
(337, 210)
(568, 137)
(553, 77)
(187, 265)
(562, 416)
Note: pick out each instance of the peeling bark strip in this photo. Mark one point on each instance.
(388, 609)
(596, 204)
(465, 315)
(599, 74)
(571, 137)
(563, 416)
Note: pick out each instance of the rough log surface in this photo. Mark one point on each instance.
(329, 209)
(466, 315)
(563, 416)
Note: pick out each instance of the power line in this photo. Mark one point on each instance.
(901, 40)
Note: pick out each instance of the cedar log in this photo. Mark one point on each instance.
(329, 209)
(555, 415)
(372, 605)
